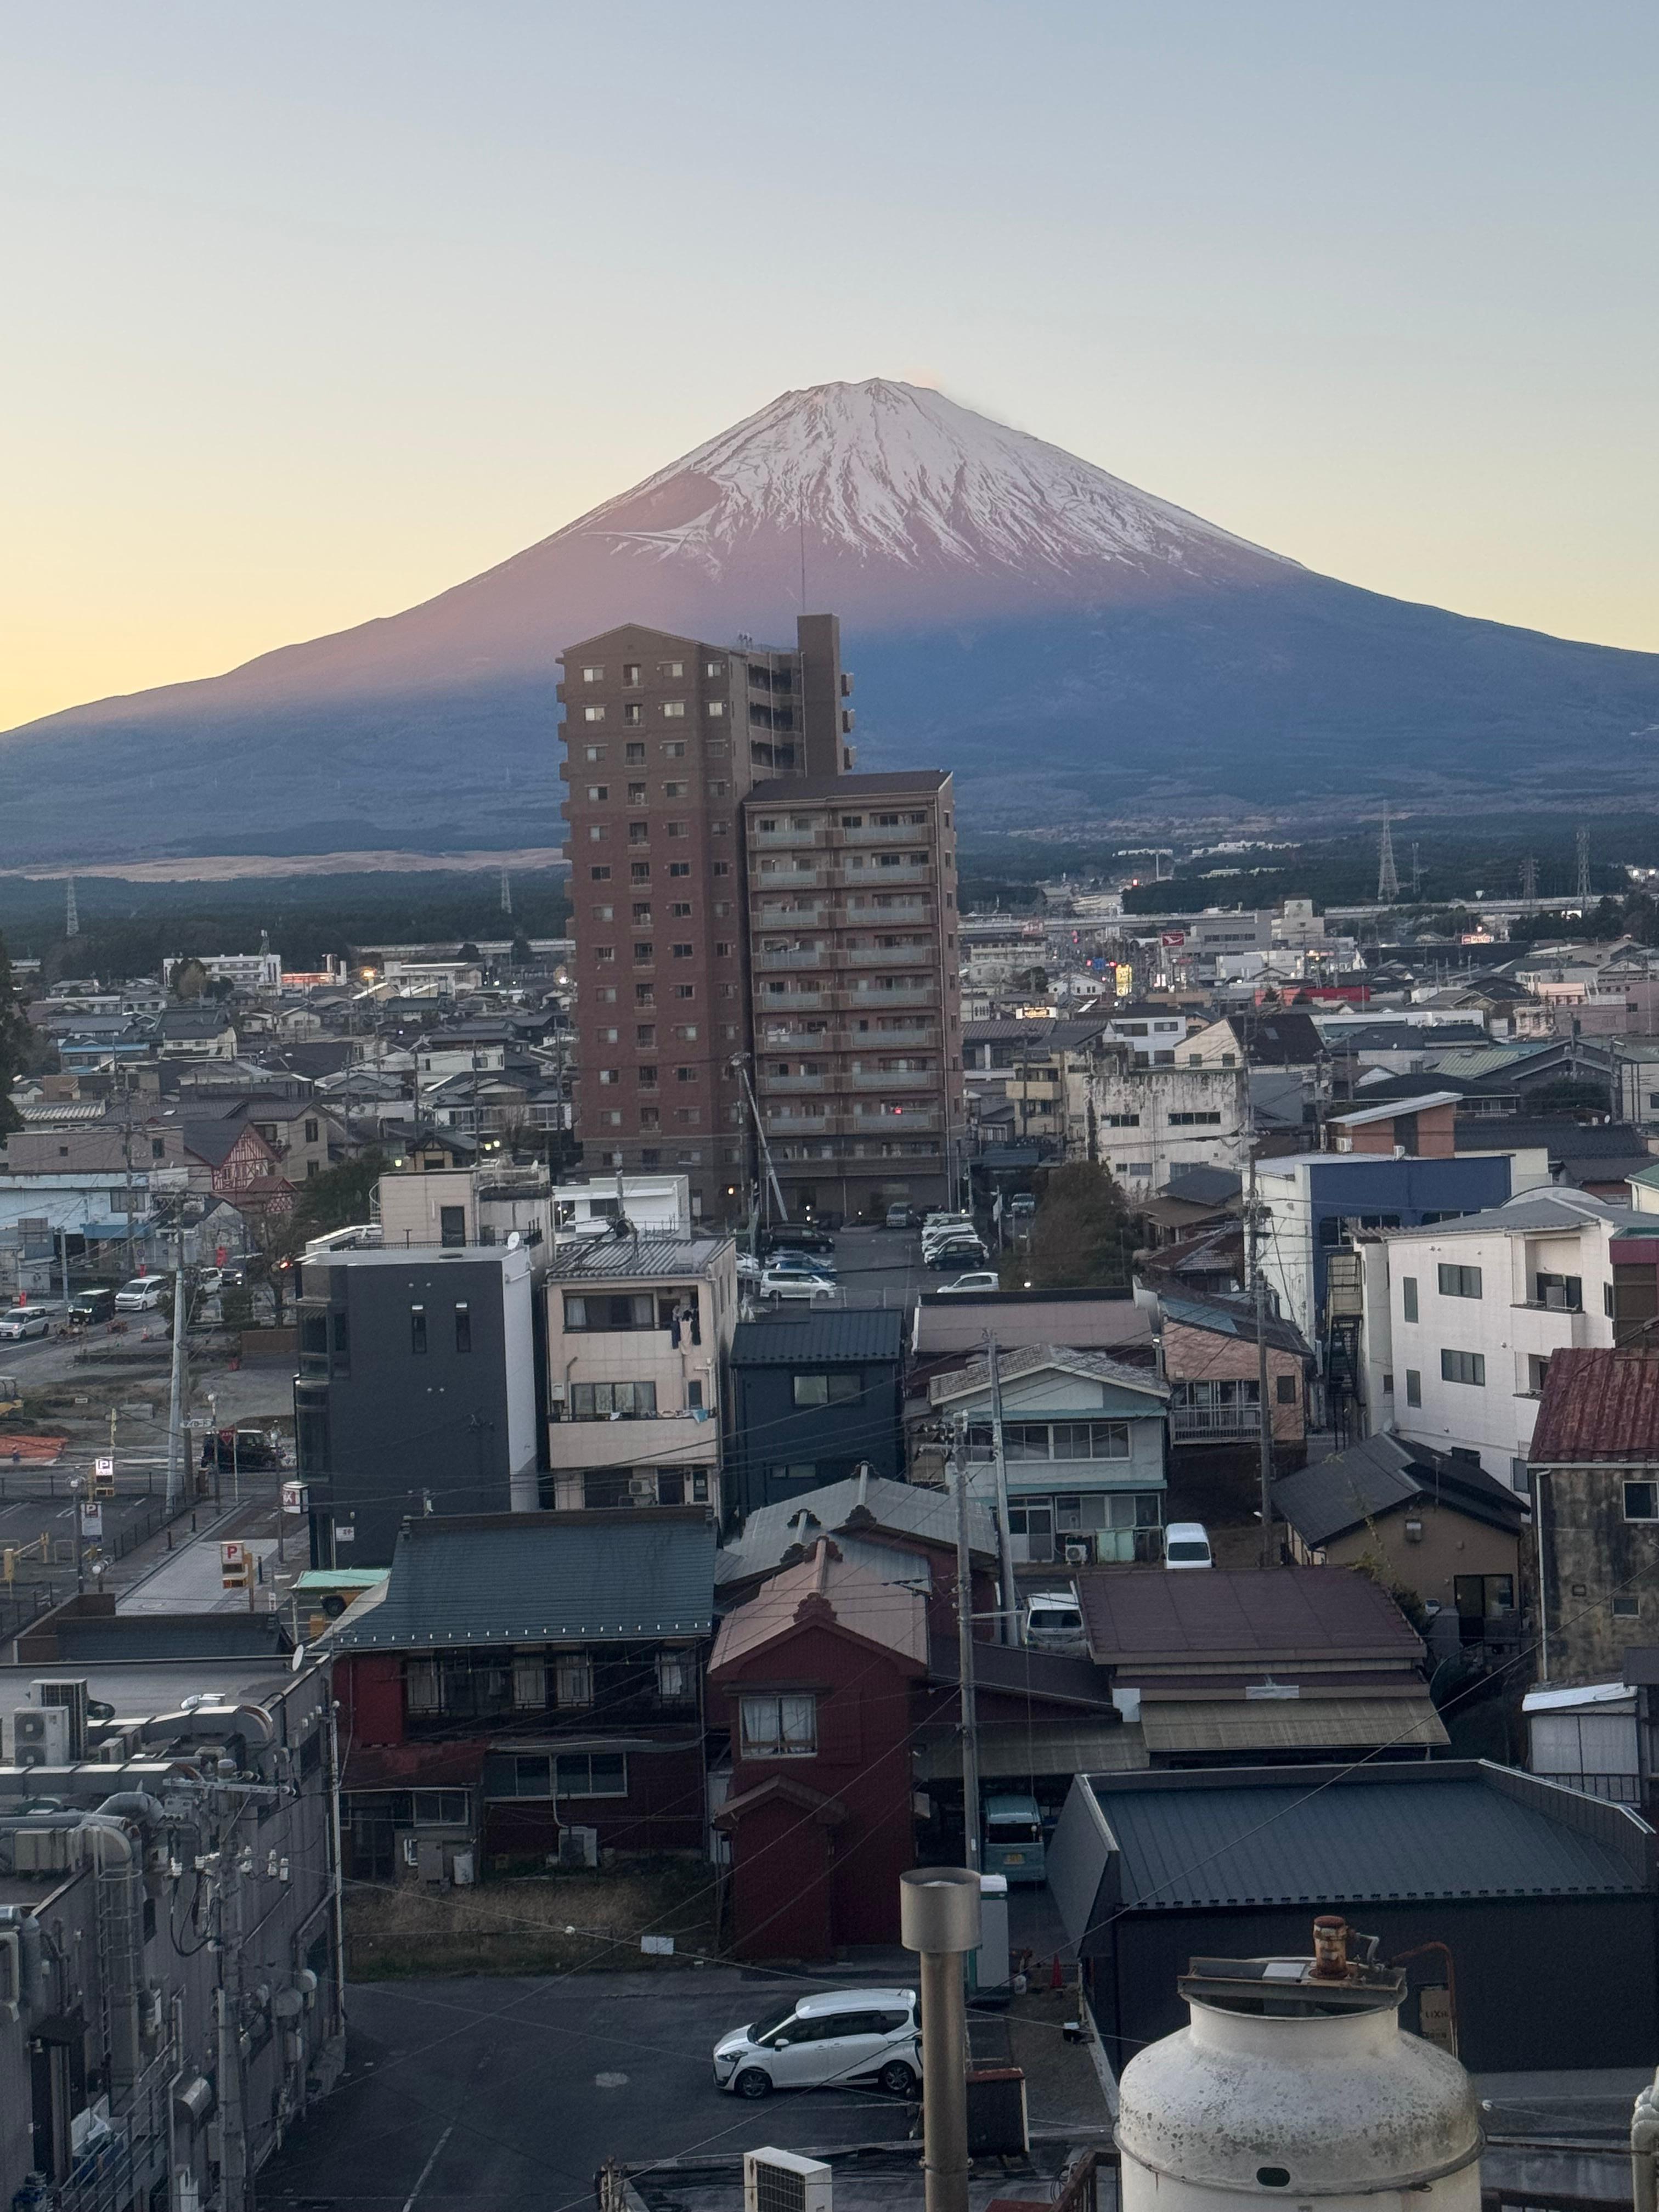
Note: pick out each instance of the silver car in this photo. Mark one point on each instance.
(24, 1321)
(820, 2041)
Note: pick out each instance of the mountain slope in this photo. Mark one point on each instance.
(1058, 636)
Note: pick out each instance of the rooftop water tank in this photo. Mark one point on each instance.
(1293, 2078)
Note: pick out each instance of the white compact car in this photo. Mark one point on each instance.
(798, 1283)
(821, 2042)
(143, 1294)
(980, 1279)
(24, 1321)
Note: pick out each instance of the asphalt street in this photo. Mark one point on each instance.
(505, 2093)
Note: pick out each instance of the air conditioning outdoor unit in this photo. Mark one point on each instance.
(579, 1847)
(779, 2181)
(1078, 1555)
(643, 1486)
(68, 1691)
(41, 1736)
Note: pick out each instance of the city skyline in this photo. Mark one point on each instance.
(299, 302)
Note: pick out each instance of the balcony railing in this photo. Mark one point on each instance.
(801, 956)
(1202, 1423)
(870, 998)
(896, 1079)
(889, 956)
(778, 1086)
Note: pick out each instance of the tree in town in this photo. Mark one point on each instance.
(1082, 1237)
(340, 1198)
(15, 1042)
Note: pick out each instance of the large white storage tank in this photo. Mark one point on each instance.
(1295, 2079)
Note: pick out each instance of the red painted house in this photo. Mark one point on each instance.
(818, 1673)
(520, 1675)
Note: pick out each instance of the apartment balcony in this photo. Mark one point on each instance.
(902, 833)
(889, 956)
(865, 998)
(802, 913)
(911, 1122)
(1212, 1425)
(803, 877)
(777, 1086)
(801, 956)
(903, 871)
(676, 1439)
(895, 1078)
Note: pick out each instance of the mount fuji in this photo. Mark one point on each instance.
(1071, 646)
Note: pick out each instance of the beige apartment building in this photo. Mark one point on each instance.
(851, 896)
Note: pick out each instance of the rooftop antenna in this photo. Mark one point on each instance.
(1388, 878)
(71, 917)
(1582, 841)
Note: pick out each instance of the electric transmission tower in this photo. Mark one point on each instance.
(506, 892)
(72, 915)
(1417, 869)
(1388, 878)
(1582, 841)
(1530, 880)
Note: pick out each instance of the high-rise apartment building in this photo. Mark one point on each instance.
(852, 893)
(664, 736)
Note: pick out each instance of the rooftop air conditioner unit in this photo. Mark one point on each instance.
(1078, 1555)
(579, 1847)
(39, 1736)
(68, 1691)
(779, 2181)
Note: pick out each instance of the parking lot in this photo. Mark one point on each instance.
(880, 1267)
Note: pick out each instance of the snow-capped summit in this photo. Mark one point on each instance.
(896, 472)
(1069, 644)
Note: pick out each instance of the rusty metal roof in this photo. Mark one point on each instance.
(1598, 1405)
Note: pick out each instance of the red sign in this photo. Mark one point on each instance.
(221, 1254)
(1173, 936)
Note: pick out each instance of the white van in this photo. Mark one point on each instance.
(143, 1294)
(1054, 1622)
(815, 2043)
(1187, 1544)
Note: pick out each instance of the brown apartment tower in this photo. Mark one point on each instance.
(676, 891)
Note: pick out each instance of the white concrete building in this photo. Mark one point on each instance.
(1151, 1121)
(1462, 1318)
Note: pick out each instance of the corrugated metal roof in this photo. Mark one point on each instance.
(904, 1508)
(1598, 1405)
(1295, 1843)
(1033, 1358)
(1290, 1724)
(865, 1334)
(1006, 1754)
(1419, 1103)
(629, 1258)
(541, 1578)
(824, 1585)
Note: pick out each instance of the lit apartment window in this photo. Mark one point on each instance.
(779, 1726)
(594, 754)
(592, 713)
(717, 708)
(713, 668)
(598, 832)
(671, 668)
(593, 675)
(609, 1075)
(673, 710)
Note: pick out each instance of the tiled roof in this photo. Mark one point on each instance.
(1598, 1405)
(861, 1334)
(1380, 1475)
(540, 1578)
(1203, 1185)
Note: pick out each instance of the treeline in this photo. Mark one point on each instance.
(128, 929)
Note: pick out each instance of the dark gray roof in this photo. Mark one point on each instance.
(1203, 1185)
(866, 1334)
(541, 1578)
(1441, 1833)
(1384, 1471)
(1561, 1138)
(1226, 1316)
(902, 1509)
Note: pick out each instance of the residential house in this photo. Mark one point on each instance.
(1421, 1521)
(1313, 1201)
(1469, 1312)
(1211, 1362)
(639, 1338)
(1421, 1125)
(1593, 1464)
(202, 1032)
(452, 1207)
(818, 1673)
(814, 1397)
(897, 1531)
(415, 1392)
(1599, 1157)
(1194, 1199)
(1518, 1882)
(1084, 1441)
(516, 1678)
(1267, 1665)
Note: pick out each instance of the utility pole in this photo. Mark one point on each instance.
(1266, 1423)
(176, 1454)
(965, 1660)
(1009, 1625)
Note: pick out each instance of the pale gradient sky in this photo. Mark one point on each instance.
(313, 310)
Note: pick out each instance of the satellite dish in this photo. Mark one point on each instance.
(514, 1241)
